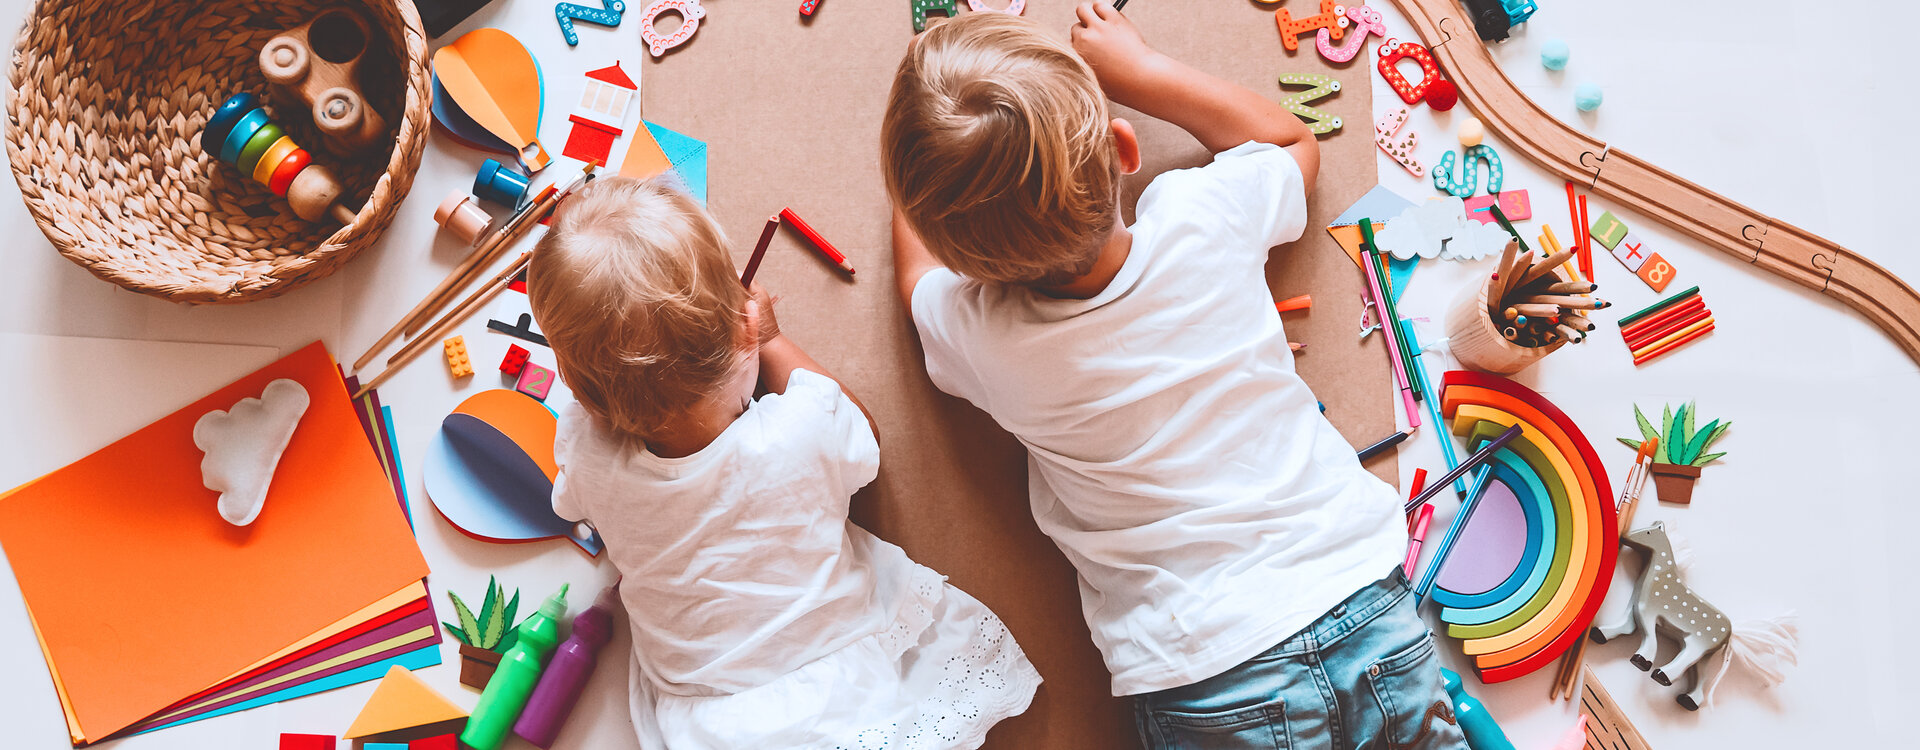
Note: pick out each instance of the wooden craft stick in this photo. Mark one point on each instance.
(1586, 242)
(1705, 328)
(1681, 310)
(1549, 240)
(1649, 334)
(1577, 321)
(1658, 306)
(1674, 336)
(421, 343)
(759, 250)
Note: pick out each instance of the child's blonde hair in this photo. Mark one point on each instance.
(997, 146)
(634, 287)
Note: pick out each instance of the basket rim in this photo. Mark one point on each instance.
(370, 221)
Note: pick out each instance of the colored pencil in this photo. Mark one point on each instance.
(1571, 334)
(1640, 337)
(1562, 300)
(446, 323)
(1291, 304)
(1664, 317)
(1573, 214)
(1577, 321)
(1433, 408)
(1544, 269)
(1658, 306)
(1644, 357)
(1386, 442)
(1504, 271)
(1479, 457)
(1453, 533)
(1393, 340)
(1672, 337)
(1575, 287)
(1416, 537)
(1586, 242)
(819, 243)
(1378, 266)
(1532, 310)
(759, 250)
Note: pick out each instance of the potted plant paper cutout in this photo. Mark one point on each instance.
(485, 637)
(1683, 450)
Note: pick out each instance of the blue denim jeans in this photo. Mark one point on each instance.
(1364, 675)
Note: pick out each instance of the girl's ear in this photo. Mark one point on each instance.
(1127, 143)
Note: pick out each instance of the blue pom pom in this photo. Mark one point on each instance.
(1587, 97)
(1554, 54)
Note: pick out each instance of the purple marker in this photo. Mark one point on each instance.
(552, 700)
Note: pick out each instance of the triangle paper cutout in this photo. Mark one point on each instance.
(402, 701)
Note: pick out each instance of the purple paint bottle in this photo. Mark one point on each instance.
(553, 699)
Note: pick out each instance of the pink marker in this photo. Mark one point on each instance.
(1420, 521)
(1386, 328)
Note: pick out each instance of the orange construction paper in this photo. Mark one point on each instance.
(644, 157)
(141, 594)
(493, 78)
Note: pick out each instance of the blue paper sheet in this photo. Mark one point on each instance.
(687, 155)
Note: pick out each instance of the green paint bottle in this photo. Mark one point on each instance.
(513, 681)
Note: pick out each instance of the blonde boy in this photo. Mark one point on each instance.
(1239, 570)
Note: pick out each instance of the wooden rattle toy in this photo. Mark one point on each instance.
(240, 133)
(1662, 604)
(318, 63)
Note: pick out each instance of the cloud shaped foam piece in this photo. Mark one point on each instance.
(243, 446)
(1439, 228)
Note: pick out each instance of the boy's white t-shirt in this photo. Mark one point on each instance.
(1173, 454)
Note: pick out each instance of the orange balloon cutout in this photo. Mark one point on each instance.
(491, 76)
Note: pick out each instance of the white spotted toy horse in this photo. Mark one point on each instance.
(1662, 604)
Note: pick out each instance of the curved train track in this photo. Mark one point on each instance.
(1775, 246)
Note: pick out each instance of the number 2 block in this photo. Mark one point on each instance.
(534, 381)
(1656, 272)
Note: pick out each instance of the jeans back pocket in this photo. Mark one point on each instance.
(1414, 703)
(1259, 727)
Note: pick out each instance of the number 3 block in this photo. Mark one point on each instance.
(534, 381)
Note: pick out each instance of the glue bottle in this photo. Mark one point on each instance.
(1478, 725)
(567, 674)
(514, 679)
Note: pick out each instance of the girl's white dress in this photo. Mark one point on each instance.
(761, 616)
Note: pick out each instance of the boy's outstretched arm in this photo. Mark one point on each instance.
(911, 258)
(780, 356)
(1219, 113)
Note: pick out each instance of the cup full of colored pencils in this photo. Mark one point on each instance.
(1528, 308)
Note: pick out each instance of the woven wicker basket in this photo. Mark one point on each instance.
(106, 101)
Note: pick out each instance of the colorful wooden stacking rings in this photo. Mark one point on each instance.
(242, 132)
(283, 173)
(223, 119)
(248, 139)
(270, 161)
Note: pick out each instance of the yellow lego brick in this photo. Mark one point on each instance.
(457, 361)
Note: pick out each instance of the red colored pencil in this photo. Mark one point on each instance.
(759, 250)
(1586, 242)
(1637, 361)
(819, 243)
(1664, 317)
(1647, 336)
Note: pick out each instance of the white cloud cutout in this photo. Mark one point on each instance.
(1439, 228)
(243, 447)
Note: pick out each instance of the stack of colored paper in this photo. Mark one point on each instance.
(377, 421)
(153, 611)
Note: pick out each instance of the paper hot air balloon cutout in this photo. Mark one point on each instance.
(490, 471)
(492, 78)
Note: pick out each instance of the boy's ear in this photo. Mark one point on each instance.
(1128, 144)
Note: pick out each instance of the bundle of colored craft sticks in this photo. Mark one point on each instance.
(1668, 325)
(1534, 306)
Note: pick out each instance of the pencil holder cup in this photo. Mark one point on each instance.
(1476, 340)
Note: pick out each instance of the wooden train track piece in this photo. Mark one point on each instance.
(1773, 245)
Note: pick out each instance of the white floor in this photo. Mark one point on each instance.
(1810, 512)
